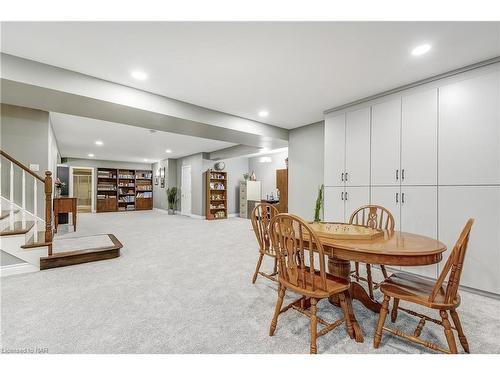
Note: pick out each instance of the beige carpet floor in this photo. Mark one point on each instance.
(183, 285)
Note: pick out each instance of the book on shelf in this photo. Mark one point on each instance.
(144, 175)
(127, 199)
(105, 196)
(105, 174)
(146, 194)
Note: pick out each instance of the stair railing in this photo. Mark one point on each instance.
(37, 179)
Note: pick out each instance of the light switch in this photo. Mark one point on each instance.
(34, 167)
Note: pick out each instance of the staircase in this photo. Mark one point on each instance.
(23, 233)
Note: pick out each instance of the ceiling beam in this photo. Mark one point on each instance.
(35, 85)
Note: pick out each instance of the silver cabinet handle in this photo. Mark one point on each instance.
(346, 177)
(402, 174)
(342, 195)
(397, 197)
(402, 197)
(397, 174)
(346, 195)
(342, 176)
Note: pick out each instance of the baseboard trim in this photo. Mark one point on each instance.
(16, 269)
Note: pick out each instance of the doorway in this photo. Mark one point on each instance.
(82, 188)
(186, 190)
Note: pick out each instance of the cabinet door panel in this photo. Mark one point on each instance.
(419, 138)
(419, 215)
(334, 150)
(385, 142)
(356, 197)
(482, 261)
(333, 205)
(385, 196)
(469, 131)
(357, 147)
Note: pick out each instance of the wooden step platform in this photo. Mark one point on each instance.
(39, 242)
(7, 213)
(101, 247)
(17, 228)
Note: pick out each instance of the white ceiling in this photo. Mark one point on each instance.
(294, 70)
(76, 137)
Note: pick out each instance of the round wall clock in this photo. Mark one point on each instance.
(219, 166)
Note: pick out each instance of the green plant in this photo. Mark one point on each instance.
(319, 204)
(172, 197)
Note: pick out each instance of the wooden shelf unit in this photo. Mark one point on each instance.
(143, 190)
(124, 189)
(107, 190)
(215, 194)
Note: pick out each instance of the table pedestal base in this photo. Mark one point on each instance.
(342, 268)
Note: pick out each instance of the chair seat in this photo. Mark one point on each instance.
(334, 284)
(415, 289)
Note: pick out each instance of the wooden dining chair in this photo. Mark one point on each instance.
(377, 217)
(438, 296)
(304, 273)
(261, 217)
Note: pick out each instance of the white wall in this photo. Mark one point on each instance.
(305, 168)
(54, 155)
(266, 172)
(159, 193)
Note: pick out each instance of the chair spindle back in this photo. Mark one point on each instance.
(261, 218)
(453, 266)
(294, 242)
(376, 217)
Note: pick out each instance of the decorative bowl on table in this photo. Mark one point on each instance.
(342, 231)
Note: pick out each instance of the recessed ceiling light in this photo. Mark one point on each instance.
(263, 113)
(265, 159)
(146, 160)
(168, 151)
(91, 155)
(137, 74)
(420, 50)
(99, 143)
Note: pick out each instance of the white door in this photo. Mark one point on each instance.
(419, 215)
(390, 198)
(357, 146)
(333, 204)
(469, 131)
(355, 197)
(385, 146)
(419, 138)
(482, 261)
(334, 150)
(186, 190)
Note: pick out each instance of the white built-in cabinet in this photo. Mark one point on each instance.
(385, 143)
(419, 138)
(430, 155)
(482, 261)
(334, 150)
(469, 135)
(357, 148)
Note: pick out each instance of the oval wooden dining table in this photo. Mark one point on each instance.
(394, 248)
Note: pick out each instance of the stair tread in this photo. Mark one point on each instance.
(17, 228)
(7, 213)
(31, 243)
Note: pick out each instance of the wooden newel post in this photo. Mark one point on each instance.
(48, 206)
